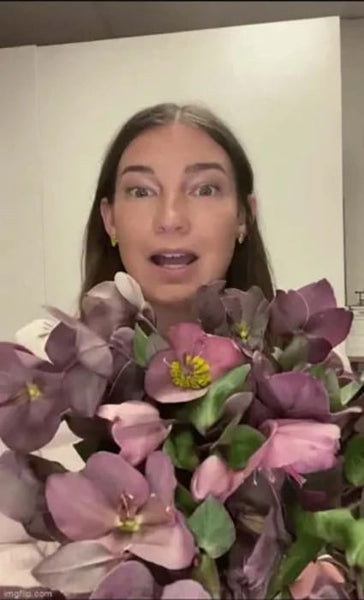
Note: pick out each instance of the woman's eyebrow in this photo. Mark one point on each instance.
(195, 168)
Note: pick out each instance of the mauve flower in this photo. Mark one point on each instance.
(312, 312)
(127, 379)
(113, 503)
(131, 291)
(32, 399)
(104, 309)
(195, 360)
(320, 580)
(133, 581)
(136, 427)
(288, 395)
(84, 357)
(214, 478)
(296, 446)
(248, 314)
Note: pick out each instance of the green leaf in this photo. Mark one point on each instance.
(354, 461)
(303, 550)
(245, 440)
(204, 412)
(355, 545)
(331, 383)
(180, 447)
(348, 391)
(184, 500)
(207, 575)
(212, 527)
(295, 354)
(332, 526)
(140, 346)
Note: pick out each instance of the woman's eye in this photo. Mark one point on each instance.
(139, 192)
(207, 189)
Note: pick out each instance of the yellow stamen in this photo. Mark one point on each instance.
(242, 330)
(33, 391)
(129, 526)
(194, 374)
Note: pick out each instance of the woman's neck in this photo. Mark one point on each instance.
(168, 315)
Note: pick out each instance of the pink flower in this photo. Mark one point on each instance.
(136, 427)
(296, 446)
(319, 576)
(113, 503)
(195, 360)
(214, 478)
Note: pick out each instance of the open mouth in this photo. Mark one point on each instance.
(173, 259)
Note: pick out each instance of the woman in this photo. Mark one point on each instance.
(174, 207)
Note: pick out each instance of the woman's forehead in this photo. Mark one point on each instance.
(171, 144)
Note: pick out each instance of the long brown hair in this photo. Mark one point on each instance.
(100, 261)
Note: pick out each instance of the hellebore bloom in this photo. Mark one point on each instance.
(85, 359)
(132, 581)
(310, 311)
(131, 291)
(195, 360)
(296, 446)
(288, 395)
(104, 310)
(214, 478)
(136, 427)
(127, 379)
(320, 579)
(113, 503)
(248, 314)
(32, 399)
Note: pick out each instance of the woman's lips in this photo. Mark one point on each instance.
(173, 260)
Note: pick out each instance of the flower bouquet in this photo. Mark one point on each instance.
(224, 460)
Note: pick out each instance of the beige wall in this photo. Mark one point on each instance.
(278, 85)
(352, 44)
(21, 228)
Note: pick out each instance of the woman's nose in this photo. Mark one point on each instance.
(171, 214)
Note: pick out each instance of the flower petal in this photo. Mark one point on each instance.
(159, 472)
(130, 580)
(213, 478)
(185, 589)
(129, 289)
(222, 354)
(114, 476)
(172, 547)
(299, 396)
(288, 313)
(79, 509)
(75, 568)
(318, 296)
(333, 325)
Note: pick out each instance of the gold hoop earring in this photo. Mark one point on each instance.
(114, 241)
(240, 238)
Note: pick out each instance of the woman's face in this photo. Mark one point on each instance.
(175, 212)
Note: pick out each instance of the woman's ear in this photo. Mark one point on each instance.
(107, 214)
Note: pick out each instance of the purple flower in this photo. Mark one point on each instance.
(214, 478)
(310, 311)
(136, 427)
(127, 379)
(32, 399)
(248, 314)
(296, 446)
(114, 503)
(104, 310)
(288, 395)
(84, 357)
(133, 581)
(195, 360)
